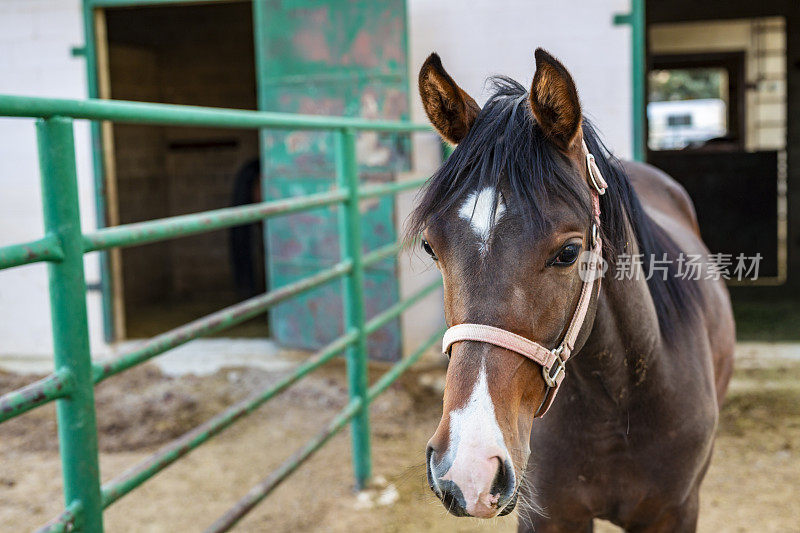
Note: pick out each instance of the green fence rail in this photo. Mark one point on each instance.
(64, 244)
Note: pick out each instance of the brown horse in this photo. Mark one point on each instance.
(506, 219)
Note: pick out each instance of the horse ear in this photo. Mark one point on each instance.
(451, 110)
(554, 101)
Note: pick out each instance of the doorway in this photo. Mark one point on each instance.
(195, 54)
(717, 122)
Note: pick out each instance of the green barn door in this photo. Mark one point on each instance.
(330, 57)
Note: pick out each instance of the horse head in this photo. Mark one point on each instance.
(506, 220)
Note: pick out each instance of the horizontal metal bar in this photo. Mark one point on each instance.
(56, 385)
(183, 225)
(397, 370)
(132, 3)
(138, 474)
(381, 253)
(381, 319)
(371, 191)
(182, 115)
(45, 249)
(69, 520)
(221, 320)
(263, 489)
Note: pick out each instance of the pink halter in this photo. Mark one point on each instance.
(552, 361)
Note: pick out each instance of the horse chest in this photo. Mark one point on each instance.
(617, 464)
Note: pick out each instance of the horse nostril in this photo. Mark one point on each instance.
(452, 500)
(504, 481)
(429, 468)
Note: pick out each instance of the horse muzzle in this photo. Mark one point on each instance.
(481, 487)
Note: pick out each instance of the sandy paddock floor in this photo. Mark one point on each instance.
(753, 483)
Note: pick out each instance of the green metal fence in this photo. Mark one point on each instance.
(64, 244)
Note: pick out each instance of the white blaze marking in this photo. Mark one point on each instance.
(477, 438)
(477, 209)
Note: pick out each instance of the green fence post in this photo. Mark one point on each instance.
(636, 18)
(350, 244)
(77, 428)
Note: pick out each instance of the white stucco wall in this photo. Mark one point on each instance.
(416, 270)
(480, 38)
(36, 37)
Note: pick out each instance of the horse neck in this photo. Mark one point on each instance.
(624, 344)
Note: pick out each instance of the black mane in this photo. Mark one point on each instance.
(505, 144)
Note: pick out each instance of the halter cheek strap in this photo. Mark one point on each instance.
(552, 361)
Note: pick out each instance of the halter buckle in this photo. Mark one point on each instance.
(559, 365)
(595, 177)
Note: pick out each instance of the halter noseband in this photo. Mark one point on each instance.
(552, 361)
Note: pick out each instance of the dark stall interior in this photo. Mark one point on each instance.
(720, 94)
(195, 55)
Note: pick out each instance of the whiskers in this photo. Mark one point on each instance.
(414, 481)
(527, 505)
(527, 502)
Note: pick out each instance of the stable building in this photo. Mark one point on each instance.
(705, 92)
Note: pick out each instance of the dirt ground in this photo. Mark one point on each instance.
(753, 483)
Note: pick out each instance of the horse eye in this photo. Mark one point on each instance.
(567, 255)
(428, 250)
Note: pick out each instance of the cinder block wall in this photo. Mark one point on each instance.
(141, 183)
